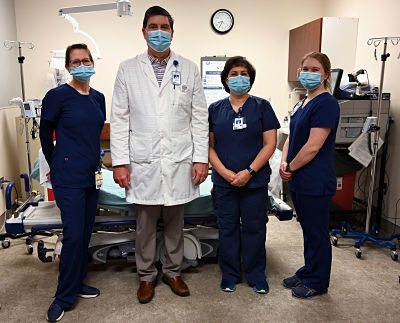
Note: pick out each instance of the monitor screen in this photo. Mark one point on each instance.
(336, 77)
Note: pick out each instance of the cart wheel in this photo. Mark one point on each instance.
(5, 244)
(28, 241)
(29, 248)
(358, 253)
(334, 240)
(394, 255)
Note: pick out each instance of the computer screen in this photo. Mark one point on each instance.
(336, 77)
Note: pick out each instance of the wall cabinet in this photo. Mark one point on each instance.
(336, 37)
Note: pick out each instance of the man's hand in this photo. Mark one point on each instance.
(241, 178)
(200, 173)
(121, 176)
(286, 176)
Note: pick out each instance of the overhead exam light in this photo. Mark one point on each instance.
(124, 8)
(75, 25)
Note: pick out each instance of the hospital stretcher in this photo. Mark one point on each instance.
(114, 230)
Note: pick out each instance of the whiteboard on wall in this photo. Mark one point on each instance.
(211, 68)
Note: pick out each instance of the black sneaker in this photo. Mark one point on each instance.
(88, 292)
(291, 282)
(305, 292)
(55, 313)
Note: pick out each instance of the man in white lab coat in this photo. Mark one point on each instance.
(159, 146)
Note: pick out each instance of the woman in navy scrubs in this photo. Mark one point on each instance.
(242, 139)
(308, 165)
(76, 112)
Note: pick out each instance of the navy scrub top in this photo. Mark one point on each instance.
(318, 176)
(78, 121)
(238, 148)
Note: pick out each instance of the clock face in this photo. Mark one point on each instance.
(222, 21)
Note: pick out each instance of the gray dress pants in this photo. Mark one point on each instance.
(146, 233)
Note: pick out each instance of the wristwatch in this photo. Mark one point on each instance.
(251, 171)
(288, 168)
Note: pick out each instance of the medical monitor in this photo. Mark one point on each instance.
(336, 77)
(28, 109)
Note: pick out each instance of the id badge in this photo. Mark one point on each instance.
(176, 78)
(239, 123)
(98, 179)
(296, 107)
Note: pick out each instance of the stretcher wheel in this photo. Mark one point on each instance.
(394, 255)
(334, 240)
(29, 249)
(358, 253)
(5, 244)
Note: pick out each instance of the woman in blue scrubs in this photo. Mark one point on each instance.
(308, 165)
(76, 112)
(242, 139)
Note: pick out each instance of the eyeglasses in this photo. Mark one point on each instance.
(78, 62)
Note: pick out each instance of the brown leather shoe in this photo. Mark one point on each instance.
(145, 292)
(177, 285)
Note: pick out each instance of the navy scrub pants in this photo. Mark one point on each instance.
(78, 209)
(313, 215)
(242, 217)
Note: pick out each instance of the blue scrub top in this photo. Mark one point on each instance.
(318, 176)
(78, 121)
(238, 148)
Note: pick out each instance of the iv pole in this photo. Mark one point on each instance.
(375, 128)
(9, 44)
(371, 235)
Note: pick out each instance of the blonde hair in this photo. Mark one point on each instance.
(326, 65)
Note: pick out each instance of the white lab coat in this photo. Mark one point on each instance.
(158, 130)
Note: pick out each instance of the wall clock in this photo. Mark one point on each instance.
(222, 21)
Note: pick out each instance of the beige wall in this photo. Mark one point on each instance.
(260, 33)
(378, 19)
(10, 81)
(9, 88)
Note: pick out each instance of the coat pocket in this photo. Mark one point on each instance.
(140, 147)
(181, 147)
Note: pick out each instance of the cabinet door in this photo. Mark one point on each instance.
(302, 40)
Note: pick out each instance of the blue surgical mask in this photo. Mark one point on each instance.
(159, 40)
(239, 84)
(309, 80)
(82, 73)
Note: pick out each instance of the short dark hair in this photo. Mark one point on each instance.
(234, 62)
(155, 11)
(72, 47)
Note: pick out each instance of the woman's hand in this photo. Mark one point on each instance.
(286, 176)
(228, 175)
(241, 178)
